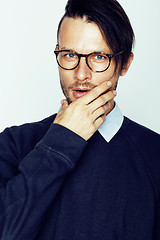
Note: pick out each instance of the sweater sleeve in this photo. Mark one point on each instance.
(25, 198)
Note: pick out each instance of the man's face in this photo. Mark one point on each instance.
(84, 38)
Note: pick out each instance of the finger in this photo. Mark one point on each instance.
(64, 104)
(102, 100)
(99, 121)
(101, 111)
(96, 92)
(109, 104)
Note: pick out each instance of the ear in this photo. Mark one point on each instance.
(127, 65)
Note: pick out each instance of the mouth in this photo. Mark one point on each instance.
(79, 92)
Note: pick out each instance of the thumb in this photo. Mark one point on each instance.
(64, 104)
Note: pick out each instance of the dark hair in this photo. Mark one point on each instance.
(111, 20)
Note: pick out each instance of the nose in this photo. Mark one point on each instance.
(82, 72)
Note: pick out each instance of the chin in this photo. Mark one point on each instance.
(69, 100)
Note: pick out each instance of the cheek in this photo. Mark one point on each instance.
(99, 78)
(65, 77)
(106, 76)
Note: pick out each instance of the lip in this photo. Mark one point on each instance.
(80, 92)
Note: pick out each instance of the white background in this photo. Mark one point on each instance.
(29, 82)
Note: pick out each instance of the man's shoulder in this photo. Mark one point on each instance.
(23, 138)
(33, 130)
(147, 144)
(32, 127)
(142, 137)
(137, 131)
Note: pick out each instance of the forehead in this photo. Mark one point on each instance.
(81, 36)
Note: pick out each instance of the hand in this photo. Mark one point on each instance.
(86, 114)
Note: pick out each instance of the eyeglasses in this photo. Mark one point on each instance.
(96, 61)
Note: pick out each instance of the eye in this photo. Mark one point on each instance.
(100, 57)
(70, 56)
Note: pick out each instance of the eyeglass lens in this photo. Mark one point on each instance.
(96, 61)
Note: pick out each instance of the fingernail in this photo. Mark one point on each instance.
(109, 83)
(114, 92)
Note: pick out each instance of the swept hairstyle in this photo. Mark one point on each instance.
(112, 21)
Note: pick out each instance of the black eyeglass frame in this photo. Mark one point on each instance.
(110, 56)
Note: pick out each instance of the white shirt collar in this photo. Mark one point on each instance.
(112, 124)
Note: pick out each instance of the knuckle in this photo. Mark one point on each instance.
(93, 94)
(103, 117)
(102, 100)
(100, 121)
(108, 96)
(88, 118)
(102, 109)
(93, 128)
(96, 92)
(111, 95)
(78, 105)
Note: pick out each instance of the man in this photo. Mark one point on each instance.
(87, 172)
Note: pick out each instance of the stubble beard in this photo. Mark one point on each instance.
(65, 92)
(77, 84)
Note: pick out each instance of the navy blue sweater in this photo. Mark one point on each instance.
(56, 186)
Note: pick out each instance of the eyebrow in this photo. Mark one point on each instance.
(70, 49)
(64, 48)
